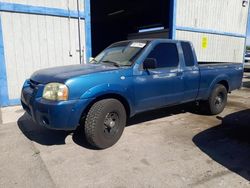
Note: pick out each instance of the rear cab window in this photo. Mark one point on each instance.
(188, 54)
(166, 55)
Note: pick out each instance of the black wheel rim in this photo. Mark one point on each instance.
(111, 124)
(219, 100)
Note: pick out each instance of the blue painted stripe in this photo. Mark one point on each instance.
(4, 96)
(208, 31)
(173, 12)
(88, 45)
(28, 9)
(14, 102)
(245, 47)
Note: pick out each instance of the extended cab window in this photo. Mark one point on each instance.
(188, 54)
(166, 55)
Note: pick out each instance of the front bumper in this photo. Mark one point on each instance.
(62, 115)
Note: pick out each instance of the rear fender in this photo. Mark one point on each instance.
(216, 81)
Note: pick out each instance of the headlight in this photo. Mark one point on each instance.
(56, 92)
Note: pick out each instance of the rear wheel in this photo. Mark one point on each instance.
(217, 100)
(105, 123)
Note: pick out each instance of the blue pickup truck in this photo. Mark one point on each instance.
(127, 78)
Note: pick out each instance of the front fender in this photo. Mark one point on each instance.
(109, 89)
(103, 90)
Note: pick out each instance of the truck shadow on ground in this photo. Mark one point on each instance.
(229, 143)
(164, 112)
(40, 134)
(47, 137)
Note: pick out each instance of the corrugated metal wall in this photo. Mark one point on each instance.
(39, 34)
(219, 48)
(222, 24)
(62, 4)
(33, 42)
(220, 15)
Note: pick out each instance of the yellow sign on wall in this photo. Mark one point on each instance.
(204, 42)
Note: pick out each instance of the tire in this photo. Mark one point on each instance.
(217, 100)
(105, 123)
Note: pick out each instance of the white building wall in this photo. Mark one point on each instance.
(62, 4)
(33, 42)
(220, 15)
(218, 48)
(216, 21)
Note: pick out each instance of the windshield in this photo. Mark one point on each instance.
(120, 54)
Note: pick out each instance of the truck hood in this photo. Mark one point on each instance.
(61, 74)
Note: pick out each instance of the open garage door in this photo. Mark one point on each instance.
(113, 20)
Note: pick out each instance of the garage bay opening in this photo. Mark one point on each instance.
(113, 21)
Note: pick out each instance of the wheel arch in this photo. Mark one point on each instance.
(116, 96)
(223, 80)
(224, 83)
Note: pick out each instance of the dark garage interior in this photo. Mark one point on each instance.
(114, 21)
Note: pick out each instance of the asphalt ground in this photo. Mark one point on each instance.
(171, 147)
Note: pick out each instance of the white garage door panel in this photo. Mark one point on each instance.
(33, 42)
(62, 4)
(217, 49)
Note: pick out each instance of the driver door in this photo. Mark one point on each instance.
(163, 86)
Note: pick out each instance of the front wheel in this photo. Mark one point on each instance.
(217, 100)
(105, 123)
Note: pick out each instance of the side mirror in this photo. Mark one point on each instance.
(150, 63)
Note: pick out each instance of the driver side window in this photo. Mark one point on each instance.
(166, 55)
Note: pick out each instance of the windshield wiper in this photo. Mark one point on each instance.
(94, 61)
(112, 62)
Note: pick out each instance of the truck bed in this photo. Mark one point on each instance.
(210, 72)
